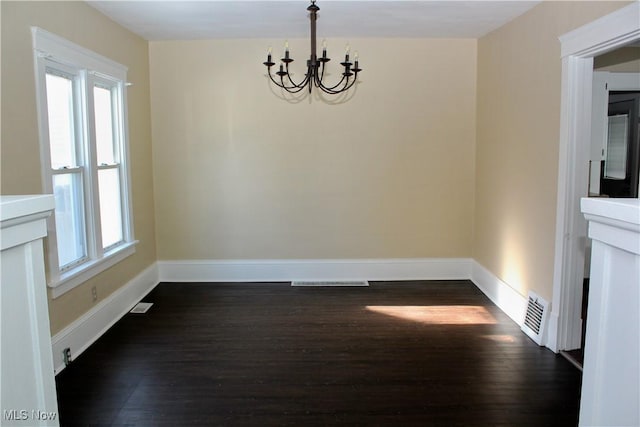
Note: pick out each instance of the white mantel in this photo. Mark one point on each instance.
(611, 375)
(27, 389)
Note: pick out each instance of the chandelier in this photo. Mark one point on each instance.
(315, 66)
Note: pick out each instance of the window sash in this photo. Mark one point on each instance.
(107, 134)
(61, 155)
(111, 204)
(67, 176)
(70, 219)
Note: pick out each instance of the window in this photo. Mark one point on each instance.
(82, 113)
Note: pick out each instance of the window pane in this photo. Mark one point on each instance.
(616, 164)
(104, 125)
(60, 113)
(69, 214)
(110, 206)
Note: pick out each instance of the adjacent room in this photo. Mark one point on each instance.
(369, 257)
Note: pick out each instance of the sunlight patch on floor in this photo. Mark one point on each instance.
(500, 338)
(438, 314)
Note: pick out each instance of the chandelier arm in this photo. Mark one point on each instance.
(303, 83)
(281, 85)
(332, 89)
(308, 78)
(318, 81)
(292, 89)
(295, 88)
(347, 85)
(332, 92)
(350, 85)
(276, 81)
(341, 98)
(321, 72)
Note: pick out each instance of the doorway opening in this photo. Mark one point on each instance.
(578, 49)
(614, 163)
(619, 171)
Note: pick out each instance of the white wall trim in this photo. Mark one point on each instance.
(85, 330)
(578, 48)
(326, 269)
(86, 271)
(604, 34)
(504, 296)
(50, 45)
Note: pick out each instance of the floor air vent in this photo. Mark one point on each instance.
(141, 307)
(330, 283)
(535, 318)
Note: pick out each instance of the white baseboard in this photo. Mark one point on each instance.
(85, 330)
(502, 295)
(289, 270)
(551, 338)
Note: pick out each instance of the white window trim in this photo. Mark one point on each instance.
(49, 47)
(77, 276)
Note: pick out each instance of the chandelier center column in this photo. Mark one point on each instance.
(313, 63)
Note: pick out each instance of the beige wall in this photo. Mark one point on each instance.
(519, 72)
(623, 60)
(241, 174)
(20, 163)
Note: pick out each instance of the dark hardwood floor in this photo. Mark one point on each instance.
(434, 353)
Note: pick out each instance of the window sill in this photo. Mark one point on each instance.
(78, 275)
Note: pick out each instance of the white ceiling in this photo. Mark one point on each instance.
(192, 20)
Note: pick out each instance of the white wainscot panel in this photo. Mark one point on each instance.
(28, 392)
(611, 375)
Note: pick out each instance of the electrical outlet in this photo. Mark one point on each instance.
(94, 294)
(66, 356)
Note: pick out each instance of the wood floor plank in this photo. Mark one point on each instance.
(258, 354)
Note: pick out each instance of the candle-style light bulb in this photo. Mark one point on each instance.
(286, 49)
(347, 49)
(269, 63)
(324, 48)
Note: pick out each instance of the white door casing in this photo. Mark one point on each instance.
(578, 48)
